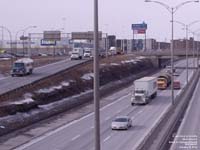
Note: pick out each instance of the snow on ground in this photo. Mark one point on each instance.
(27, 100)
(140, 57)
(46, 90)
(129, 61)
(87, 76)
(103, 64)
(57, 87)
(114, 64)
(53, 88)
(65, 83)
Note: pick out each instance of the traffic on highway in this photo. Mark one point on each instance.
(99, 75)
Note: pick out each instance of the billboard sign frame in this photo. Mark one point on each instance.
(52, 35)
(45, 42)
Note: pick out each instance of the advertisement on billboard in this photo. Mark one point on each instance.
(48, 42)
(139, 28)
(85, 35)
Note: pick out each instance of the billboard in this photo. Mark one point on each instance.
(45, 42)
(52, 35)
(85, 35)
(139, 28)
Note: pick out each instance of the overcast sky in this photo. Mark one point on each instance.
(115, 16)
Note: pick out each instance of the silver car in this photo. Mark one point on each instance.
(121, 122)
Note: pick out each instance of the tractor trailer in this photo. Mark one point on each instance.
(144, 90)
(163, 81)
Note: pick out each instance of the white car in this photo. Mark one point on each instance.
(121, 122)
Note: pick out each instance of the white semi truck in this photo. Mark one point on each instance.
(144, 90)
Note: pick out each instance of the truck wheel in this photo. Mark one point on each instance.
(132, 104)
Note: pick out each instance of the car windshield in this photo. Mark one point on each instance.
(18, 65)
(121, 120)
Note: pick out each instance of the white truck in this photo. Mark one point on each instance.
(144, 90)
(77, 53)
(22, 67)
(88, 52)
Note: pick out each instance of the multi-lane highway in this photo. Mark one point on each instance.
(11, 83)
(188, 133)
(79, 135)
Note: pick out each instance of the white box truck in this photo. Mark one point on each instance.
(77, 53)
(22, 67)
(144, 90)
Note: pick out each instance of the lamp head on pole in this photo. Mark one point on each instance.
(147, 0)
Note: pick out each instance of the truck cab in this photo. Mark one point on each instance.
(88, 52)
(77, 53)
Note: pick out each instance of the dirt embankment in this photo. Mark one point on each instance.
(73, 82)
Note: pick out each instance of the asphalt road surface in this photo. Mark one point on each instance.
(79, 134)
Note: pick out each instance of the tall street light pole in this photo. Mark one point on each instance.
(16, 38)
(96, 78)
(172, 10)
(186, 26)
(10, 35)
(197, 46)
(29, 27)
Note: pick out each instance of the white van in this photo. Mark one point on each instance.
(22, 67)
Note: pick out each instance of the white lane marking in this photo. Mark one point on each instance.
(92, 127)
(140, 111)
(106, 138)
(23, 146)
(76, 137)
(107, 118)
(133, 118)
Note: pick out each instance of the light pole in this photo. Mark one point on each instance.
(172, 10)
(24, 30)
(16, 37)
(186, 26)
(195, 33)
(96, 78)
(198, 35)
(10, 35)
(198, 48)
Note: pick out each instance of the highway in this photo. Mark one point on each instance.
(188, 135)
(79, 134)
(10, 83)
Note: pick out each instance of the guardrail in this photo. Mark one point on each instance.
(157, 138)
